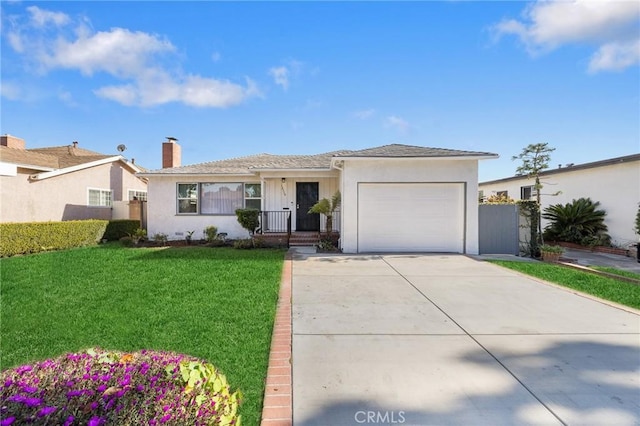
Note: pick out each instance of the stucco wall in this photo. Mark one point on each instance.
(163, 218)
(63, 197)
(616, 187)
(407, 170)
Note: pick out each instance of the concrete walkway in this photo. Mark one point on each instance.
(446, 340)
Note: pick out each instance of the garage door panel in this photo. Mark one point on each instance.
(411, 217)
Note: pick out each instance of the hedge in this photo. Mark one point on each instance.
(117, 229)
(33, 237)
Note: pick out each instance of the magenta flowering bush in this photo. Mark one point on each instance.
(99, 387)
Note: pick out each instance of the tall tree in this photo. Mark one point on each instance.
(535, 158)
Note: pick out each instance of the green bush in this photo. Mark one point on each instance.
(249, 219)
(211, 233)
(246, 243)
(117, 229)
(579, 222)
(127, 241)
(34, 237)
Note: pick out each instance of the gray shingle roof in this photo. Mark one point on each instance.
(399, 151)
(249, 165)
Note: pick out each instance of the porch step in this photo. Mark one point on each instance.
(304, 239)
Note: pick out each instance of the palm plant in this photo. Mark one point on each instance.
(327, 208)
(578, 222)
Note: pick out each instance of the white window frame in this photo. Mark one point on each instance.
(105, 197)
(259, 198)
(136, 193)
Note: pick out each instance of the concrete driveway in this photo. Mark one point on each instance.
(446, 339)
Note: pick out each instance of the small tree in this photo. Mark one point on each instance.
(637, 227)
(535, 158)
(249, 219)
(327, 208)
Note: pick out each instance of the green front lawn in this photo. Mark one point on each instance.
(605, 288)
(616, 271)
(217, 304)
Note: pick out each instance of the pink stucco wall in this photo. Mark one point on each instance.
(63, 197)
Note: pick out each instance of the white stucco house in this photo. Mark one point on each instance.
(395, 198)
(614, 182)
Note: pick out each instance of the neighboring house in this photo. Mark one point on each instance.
(64, 183)
(615, 183)
(395, 198)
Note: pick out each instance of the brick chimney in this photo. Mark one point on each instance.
(170, 153)
(12, 142)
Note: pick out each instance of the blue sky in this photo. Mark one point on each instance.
(231, 79)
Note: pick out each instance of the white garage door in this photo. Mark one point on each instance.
(405, 217)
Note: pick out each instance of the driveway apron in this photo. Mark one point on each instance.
(445, 340)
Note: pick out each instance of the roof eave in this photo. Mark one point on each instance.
(65, 170)
(413, 157)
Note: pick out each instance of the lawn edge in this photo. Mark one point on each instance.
(576, 292)
(277, 407)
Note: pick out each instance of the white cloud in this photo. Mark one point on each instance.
(364, 113)
(11, 90)
(40, 17)
(133, 58)
(610, 25)
(280, 76)
(119, 52)
(615, 56)
(397, 123)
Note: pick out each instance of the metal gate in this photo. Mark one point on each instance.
(499, 229)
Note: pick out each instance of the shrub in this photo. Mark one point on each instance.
(246, 243)
(117, 229)
(127, 241)
(33, 237)
(99, 387)
(138, 235)
(160, 238)
(576, 222)
(249, 219)
(211, 233)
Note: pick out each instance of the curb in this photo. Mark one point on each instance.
(278, 395)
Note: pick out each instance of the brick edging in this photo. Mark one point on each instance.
(277, 408)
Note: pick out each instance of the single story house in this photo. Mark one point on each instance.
(395, 198)
(65, 183)
(614, 182)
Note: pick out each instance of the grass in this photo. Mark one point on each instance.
(615, 271)
(605, 288)
(217, 304)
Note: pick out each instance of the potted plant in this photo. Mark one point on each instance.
(551, 253)
(327, 208)
(189, 236)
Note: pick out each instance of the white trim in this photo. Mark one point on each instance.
(136, 190)
(58, 172)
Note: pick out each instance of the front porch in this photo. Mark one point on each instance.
(276, 228)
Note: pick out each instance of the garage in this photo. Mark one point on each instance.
(406, 217)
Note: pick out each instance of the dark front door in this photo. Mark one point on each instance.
(306, 197)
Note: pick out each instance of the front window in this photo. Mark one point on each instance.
(99, 197)
(187, 198)
(220, 198)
